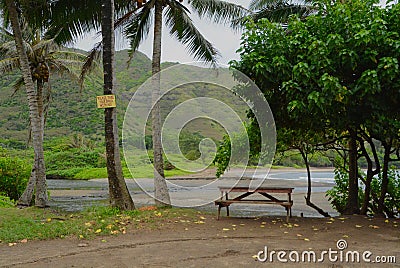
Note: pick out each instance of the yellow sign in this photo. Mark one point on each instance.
(106, 101)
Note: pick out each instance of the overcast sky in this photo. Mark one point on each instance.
(222, 37)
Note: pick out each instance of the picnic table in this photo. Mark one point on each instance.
(265, 192)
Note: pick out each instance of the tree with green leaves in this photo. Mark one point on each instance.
(332, 72)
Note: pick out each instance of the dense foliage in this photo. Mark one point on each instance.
(14, 175)
(332, 82)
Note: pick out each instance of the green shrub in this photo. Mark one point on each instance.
(74, 158)
(14, 176)
(338, 195)
(6, 202)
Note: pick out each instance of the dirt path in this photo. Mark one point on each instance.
(206, 242)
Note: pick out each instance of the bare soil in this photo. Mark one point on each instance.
(206, 242)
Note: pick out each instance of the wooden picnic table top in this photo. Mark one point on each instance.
(259, 189)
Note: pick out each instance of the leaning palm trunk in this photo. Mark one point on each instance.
(26, 198)
(36, 120)
(119, 194)
(160, 186)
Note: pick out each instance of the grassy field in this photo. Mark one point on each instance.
(20, 225)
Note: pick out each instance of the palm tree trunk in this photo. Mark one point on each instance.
(119, 194)
(36, 122)
(160, 186)
(26, 198)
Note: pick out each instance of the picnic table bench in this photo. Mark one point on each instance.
(226, 201)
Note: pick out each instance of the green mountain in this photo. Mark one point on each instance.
(71, 110)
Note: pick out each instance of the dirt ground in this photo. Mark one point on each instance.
(229, 242)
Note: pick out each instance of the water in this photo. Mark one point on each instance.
(76, 195)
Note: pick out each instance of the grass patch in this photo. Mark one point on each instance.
(39, 224)
(140, 172)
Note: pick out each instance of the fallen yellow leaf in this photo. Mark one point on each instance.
(358, 226)
(98, 231)
(306, 239)
(24, 240)
(225, 229)
(299, 235)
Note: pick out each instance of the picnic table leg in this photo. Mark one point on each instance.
(227, 210)
(287, 216)
(219, 211)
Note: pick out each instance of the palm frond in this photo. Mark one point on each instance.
(67, 55)
(139, 26)
(5, 35)
(217, 10)
(72, 18)
(182, 28)
(9, 65)
(8, 49)
(257, 5)
(17, 85)
(90, 63)
(63, 69)
(282, 11)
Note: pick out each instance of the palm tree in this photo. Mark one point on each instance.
(36, 122)
(182, 28)
(280, 10)
(70, 19)
(45, 58)
(119, 194)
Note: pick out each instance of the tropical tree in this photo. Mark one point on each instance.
(118, 191)
(181, 27)
(317, 76)
(46, 60)
(37, 122)
(71, 19)
(276, 11)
